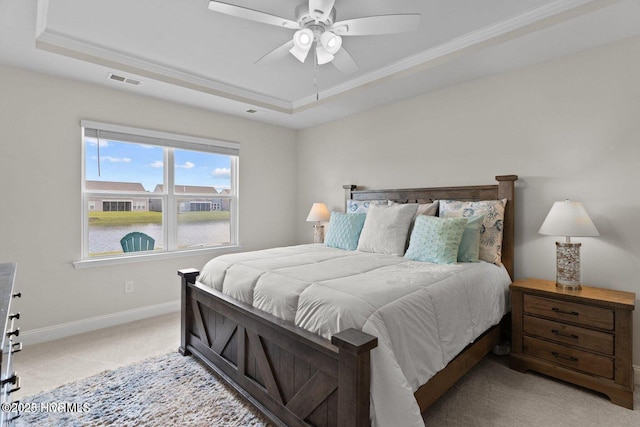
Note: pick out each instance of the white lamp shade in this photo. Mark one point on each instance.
(568, 219)
(318, 212)
(323, 56)
(331, 42)
(302, 41)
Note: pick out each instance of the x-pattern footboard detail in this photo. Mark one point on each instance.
(294, 377)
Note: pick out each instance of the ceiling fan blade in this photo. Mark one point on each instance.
(320, 9)
(344, 62)
(252, 15)
(277, 53)
(382, 24)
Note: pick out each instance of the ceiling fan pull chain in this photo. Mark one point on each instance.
(315, 74)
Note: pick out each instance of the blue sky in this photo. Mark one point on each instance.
(128, 162)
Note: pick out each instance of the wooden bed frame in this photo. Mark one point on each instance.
(297, 378)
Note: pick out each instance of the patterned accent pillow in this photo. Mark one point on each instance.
(362, 206)
(469, 250)
(436, 239)
(492, 224)
(385, 229)
(344, 230)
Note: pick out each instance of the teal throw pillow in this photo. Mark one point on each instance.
(436, 239)
(469, 249)
(344, 230)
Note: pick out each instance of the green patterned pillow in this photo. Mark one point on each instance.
(344, 230)
(436, 239)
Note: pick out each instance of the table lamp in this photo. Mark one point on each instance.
(318, 212)
(568, 219)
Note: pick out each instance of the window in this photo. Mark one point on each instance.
(181, 191)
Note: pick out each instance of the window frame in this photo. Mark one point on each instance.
(169, 142)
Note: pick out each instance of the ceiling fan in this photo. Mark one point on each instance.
(316, 23)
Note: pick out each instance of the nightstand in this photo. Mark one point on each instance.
(583, 337)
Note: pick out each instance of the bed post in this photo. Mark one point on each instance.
(506, 190)
(188, 276)
(354, 376)
(347, 194)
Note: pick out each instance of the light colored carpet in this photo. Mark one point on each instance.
(50, 364)
(175, 390)
(491, 394)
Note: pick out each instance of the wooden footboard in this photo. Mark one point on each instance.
(294, 377)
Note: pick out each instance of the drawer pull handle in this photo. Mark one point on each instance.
(560, 334)
(14, 349)
(17, 295)
(16, 332)
(17, 385)
(570, 313)
(562, 356)
(14, 316)
(11, 380)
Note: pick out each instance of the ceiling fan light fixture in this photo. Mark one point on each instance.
(303, 38)
(323, 56)
(316, 23)
(331, 42)
(302, 41)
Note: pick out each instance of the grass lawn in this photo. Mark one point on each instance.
(128, 218)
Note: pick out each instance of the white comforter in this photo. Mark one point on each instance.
(423, 314)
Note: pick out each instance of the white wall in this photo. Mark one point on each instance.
(569, 128)
(40, 219)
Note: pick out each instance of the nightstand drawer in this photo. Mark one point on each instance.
(576, 313)
(601, 342)
(576, 359)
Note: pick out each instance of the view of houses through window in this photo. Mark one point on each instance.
(170, 197)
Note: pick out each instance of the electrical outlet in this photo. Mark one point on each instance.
(128, 287)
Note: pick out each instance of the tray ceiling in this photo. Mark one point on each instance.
(184, 52)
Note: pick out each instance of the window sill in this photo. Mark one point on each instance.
(127, 259)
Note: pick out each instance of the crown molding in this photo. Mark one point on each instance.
(64, 44)
(508, 29)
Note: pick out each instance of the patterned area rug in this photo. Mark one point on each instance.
(169, 390)
(173, 390)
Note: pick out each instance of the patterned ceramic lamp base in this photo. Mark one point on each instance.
(318, 234)
(568, 265)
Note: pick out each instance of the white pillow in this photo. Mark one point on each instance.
(385, 229)
(429, 209)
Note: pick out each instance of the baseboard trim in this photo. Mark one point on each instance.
(636, 374)
(50, 333)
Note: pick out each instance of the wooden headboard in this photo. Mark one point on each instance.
(504, 189)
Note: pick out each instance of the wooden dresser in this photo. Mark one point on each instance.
(10, 382)
(583, 337)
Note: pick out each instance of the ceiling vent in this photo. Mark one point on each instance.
(123, 79)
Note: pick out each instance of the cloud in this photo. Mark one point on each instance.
(157, 164)
(186, 165)
(221, 172)
(115, 159)
(93, 142)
